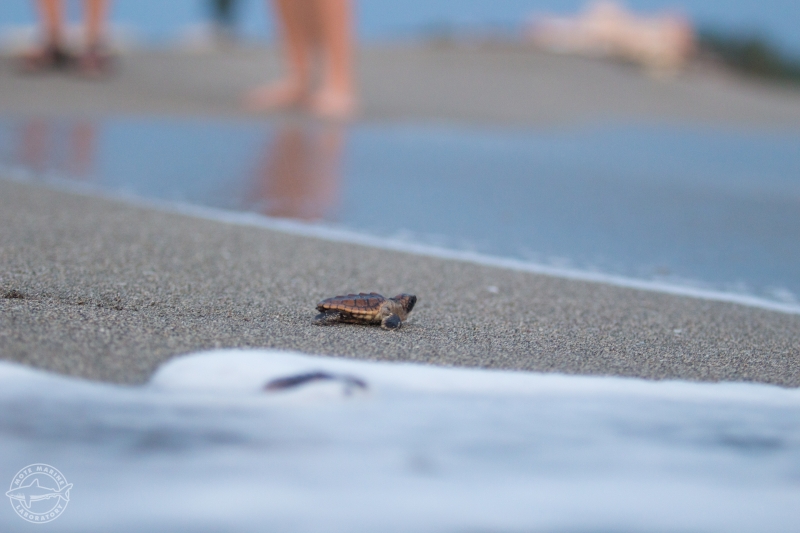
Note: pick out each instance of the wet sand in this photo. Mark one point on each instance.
(105, 290)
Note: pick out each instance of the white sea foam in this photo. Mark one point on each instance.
(246, 371)
(204, 447)
(338, 234)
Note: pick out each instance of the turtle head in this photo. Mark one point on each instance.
(407, 301)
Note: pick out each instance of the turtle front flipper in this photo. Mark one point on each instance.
(391, 322)
(326, 316)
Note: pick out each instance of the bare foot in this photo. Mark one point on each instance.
(96, 62)
(274, 96)
(333, 104)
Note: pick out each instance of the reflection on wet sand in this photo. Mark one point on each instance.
(65, 148)
(299, 175)
(297, 171)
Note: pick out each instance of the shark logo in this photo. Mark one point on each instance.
(39, 493)
(34, 493)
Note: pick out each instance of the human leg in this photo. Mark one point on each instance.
(95, 61)
(52, 16)
(51, 54)
(297, 34)
(335, 97)
(95, 17)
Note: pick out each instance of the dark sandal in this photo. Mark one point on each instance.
(51, 57)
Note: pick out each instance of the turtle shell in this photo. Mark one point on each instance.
(360, 305)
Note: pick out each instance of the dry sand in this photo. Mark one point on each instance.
(488, 85)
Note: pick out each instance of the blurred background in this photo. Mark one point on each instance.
(155, 23)
(653, 139)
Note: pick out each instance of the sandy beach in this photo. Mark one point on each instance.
(106, 290)
(500, 85)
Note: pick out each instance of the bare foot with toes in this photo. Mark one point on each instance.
(332, 104)
(274, 96)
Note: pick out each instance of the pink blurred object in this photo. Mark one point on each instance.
(661, 43)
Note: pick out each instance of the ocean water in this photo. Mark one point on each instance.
(205, 447)
(687, 207)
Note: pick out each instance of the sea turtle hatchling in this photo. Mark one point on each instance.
(366, 308)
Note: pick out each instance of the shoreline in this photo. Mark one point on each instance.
(332, 233)
(110, 291)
